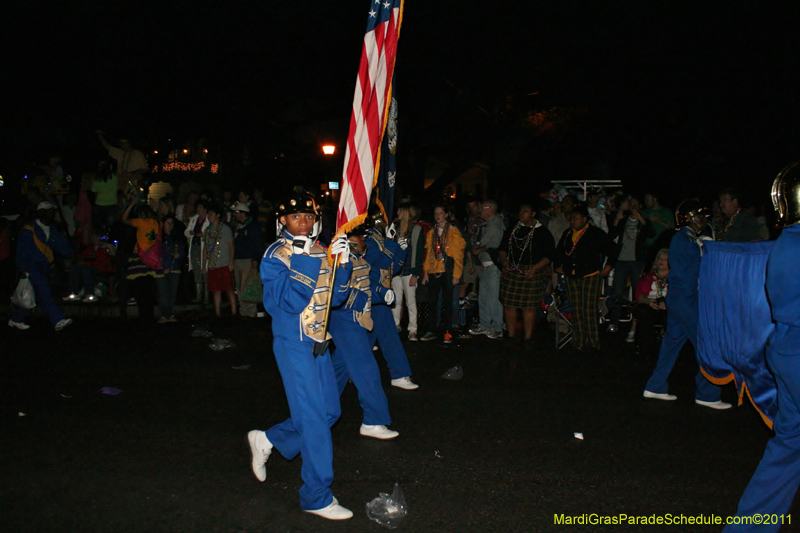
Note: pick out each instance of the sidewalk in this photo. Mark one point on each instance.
(108, 307)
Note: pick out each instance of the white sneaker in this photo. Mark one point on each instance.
(260, 449)
(18, 325)
(378, 432)
(333, 512)
(63, 323)
(90, 299)
(404, 383)
(412, 336)
(494, 334)
(719, 404)
(659, 396)
(631, 336)
(71, 298)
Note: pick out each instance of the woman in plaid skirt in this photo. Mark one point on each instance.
(525, 255)
(579, 256)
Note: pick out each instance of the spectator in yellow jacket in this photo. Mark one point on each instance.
(442, 268)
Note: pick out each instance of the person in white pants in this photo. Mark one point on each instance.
(405, 285)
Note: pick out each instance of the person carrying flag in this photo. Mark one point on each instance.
(297, 282)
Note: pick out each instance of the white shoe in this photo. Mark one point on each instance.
(404, 383)
(659, 396)
(63, 323)
(71, 298)
(375, 348)
(719, 404)
(260, 449)
(378, 432)
(90, 299)
(412, 336)
(18, 325)
(631, 336)
(333, 512)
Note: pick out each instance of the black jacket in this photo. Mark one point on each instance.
(587, 258)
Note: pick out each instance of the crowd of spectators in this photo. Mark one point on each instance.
(606, 254)
(111, 242)
(472, 267)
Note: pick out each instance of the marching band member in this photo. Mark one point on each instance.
(352, 357)
(296, 279)
(385, 260)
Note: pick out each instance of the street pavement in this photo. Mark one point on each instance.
(493, 451)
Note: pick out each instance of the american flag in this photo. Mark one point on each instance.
(370, 111)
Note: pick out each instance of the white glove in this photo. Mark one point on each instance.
(301, 245)
(391, 231)
(341, 247)
(388, 297)
(403, 243)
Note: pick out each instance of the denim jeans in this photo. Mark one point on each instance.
(167, 287)
(489, 305)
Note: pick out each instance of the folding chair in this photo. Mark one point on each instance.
(556, 307)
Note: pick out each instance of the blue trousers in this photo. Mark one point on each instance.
(353, 361)
(775, 481)
(384, 331)
(167, 287)
(44, 299)
(682, 320)
(310, 386)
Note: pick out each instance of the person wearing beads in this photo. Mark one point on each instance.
(352, 357)
(579, 257)
(297, 283)
(650, 302)
(172, 255)
(442, 268)
(738, 225)
(525, 254)
(218, 258)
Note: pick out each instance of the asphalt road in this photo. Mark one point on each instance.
(494, 451)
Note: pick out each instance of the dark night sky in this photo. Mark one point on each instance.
(668, 84)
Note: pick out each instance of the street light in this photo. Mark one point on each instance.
(328, 149)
